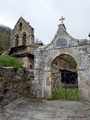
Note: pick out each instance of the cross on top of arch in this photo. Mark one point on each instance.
(62, 19)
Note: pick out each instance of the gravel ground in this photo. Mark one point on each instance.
(31, 109)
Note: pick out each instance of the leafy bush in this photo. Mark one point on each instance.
(8, 61)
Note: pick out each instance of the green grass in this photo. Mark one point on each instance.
(68, 93)
(7, 61)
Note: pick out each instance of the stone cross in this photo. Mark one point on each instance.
(62, 19)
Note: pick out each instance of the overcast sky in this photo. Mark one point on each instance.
(44, 15)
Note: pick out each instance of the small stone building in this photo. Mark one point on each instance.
(63, 44)
(22, 44)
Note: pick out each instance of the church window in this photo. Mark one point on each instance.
(30, 66)
(32, 31)
(20, 26)
(24, 39)
(16, 41)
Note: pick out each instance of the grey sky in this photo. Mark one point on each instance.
(44, 16)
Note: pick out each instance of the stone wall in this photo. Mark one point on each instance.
(15, 84)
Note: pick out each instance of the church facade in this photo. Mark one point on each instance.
(22, 44)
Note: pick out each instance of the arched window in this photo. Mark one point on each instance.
(20, 26)
(30, 66)
(24, 39)
(16, 41)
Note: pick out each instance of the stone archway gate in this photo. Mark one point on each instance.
(62, 43)
(64, 83)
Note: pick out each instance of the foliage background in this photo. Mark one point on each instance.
(5, 33)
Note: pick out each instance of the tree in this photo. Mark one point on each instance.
(4, 37)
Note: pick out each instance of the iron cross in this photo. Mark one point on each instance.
(62, 19)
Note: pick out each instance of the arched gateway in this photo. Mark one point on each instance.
(64, 78)
(70, 59)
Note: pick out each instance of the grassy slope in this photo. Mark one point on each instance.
(8, 61)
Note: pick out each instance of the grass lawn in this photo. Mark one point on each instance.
(65, 93)
(8, 61)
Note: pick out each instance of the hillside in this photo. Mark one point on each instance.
(4, 37)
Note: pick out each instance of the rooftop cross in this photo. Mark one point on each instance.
(62, 19)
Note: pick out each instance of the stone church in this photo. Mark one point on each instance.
(22, 43)
(61, 65)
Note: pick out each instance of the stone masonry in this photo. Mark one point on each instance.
(22, 44)
(15, 84)
(63, 43)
